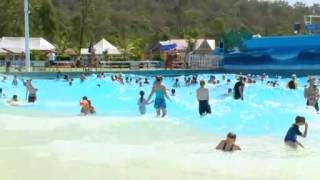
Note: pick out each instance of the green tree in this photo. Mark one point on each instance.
(85, 12)
(47, 19)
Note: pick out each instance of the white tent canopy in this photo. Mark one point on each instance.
(101, 47)
(17, 44)
(208, 43)
(84, 51)
(2, 50)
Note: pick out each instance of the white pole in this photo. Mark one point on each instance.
(26, 34)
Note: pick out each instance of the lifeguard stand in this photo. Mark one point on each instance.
(312, 24)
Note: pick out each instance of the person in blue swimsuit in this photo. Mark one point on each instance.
(161, 93)
(294, 132)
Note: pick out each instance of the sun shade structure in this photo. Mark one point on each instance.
(101, 47)
(181, 45)
(167, 46)
(16, 45)
(204, 46)
(2, 51)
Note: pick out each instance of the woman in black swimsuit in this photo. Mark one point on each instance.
(229, 145)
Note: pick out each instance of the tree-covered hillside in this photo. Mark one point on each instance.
(73, 23)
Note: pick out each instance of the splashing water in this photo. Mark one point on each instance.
(49, 140)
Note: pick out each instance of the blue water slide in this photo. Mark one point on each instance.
(282, 50)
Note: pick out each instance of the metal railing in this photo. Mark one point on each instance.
(72, 66)
(200, 61)
(193, 62)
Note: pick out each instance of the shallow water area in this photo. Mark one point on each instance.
(50, 140)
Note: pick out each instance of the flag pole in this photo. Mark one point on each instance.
(26, 34)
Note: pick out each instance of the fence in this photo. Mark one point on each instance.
(204, 61)
(72, 66)
(194, 62)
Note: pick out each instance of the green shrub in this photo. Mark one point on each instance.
(38, 56)
(63, 58)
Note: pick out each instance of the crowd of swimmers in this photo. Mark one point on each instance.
(162, 93)
(31, 91)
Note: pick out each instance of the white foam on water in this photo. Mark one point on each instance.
(49, 140)
(143, 148)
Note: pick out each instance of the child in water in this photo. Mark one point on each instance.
(14, 101)
(86, 106)
(293, 132)
(229, 144)
(173, 92)
(142, 102)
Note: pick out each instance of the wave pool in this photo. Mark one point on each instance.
(50, 140)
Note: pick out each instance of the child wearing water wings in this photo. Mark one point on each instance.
(294, 132)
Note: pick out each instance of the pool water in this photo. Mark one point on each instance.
(50, 140)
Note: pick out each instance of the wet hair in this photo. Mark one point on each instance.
(300, 119)
(15, 97)
(228, 80)
(177, 80)
(85, 98)
(293, 76)
(141, 96)
(312, 80)
(244, 79)
(232, 135)
(159, 78)
(173, 91)
(0, 90)
(202, 83)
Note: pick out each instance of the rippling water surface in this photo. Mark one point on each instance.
(49, 140)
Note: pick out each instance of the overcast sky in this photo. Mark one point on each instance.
(308, 2)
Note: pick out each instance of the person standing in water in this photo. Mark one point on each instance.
(15, 81)
(293, 84)
(176, 83)
(203, 99)
(229, 145)
(239, 89)
(173, 92)
(82, 77)
(2, 95)
(161, 93)
(32, 97)
(86, 106)
(311, 94)
(142, 103)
